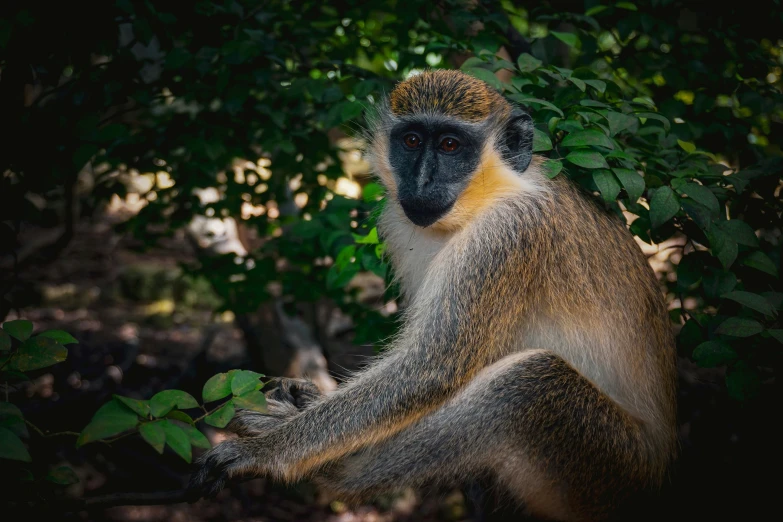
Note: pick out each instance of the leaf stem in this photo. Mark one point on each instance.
(207, 413)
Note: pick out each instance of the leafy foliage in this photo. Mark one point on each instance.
(160, 420)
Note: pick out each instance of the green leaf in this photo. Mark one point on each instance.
(632, 181)
(760, 261)
(687, 146)
(486, 76)
(739, 327)
(38, 352)
(163, 402)
(752, 301)
(525, 100)
(742, 382)
(24, 475)
(351, 110)
(607, 184)
(153, 434)
(11, 447)
(701, 194)
(177, 440)
(552, 168)
(714, 353)
(111, 419)
(570, 39)
(644, 101)
(10, 410)
(473, 61)
(196, 437)
(372, 192)
(541, 141)
(655, 116)
(216, 387)
(579, 83)
(718, 282)
(345, 257)
(626, 5)
(15, 424)
(528, 63)
(740, 232)
(689, 271)
(722, 246)
(569, 125)
(180, 416)
(19, 329)
(343, 269)
(700, 214)
(60, 336)
(596, 9)
(142, 408)
(777, 334)
(664, 205)
(369, 239)
(586, 138)
(243, 381)
(591, 103)
(63, 476)
(371, 262)
(5, 341)
(220, 417)
(588, 159)
(598, 85)
(618, 122)
(253, 400)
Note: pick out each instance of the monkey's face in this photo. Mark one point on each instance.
(432, 159)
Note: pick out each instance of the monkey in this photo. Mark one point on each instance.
(535, 345)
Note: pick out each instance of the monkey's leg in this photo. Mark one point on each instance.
(545, 432)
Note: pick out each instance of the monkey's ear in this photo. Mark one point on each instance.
(518, 140)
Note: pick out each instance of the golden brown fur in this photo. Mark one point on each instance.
(536, 347)
(451, 93)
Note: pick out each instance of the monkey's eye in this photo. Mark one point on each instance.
(449, 144)
(411, 141)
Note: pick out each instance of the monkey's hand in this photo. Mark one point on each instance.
(235, 459)
(286, 399)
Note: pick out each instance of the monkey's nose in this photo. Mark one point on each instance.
(424, 212)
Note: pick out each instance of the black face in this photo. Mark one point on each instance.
(433, 160)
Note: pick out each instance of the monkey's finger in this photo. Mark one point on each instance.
(211, 475)
(216, 486)
(249, 423)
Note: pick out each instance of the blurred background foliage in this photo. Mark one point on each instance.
(234, 123)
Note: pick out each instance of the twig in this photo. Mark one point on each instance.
(137, 499)
(75, 505)
(41, 433)
(207, 412)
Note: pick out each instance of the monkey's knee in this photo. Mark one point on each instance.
(574, 435)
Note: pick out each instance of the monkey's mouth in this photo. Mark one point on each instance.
(422, 213)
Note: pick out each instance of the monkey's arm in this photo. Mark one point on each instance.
(468, 307)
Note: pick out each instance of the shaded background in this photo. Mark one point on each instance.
(182, 190)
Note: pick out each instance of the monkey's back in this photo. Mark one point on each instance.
(600, 306)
